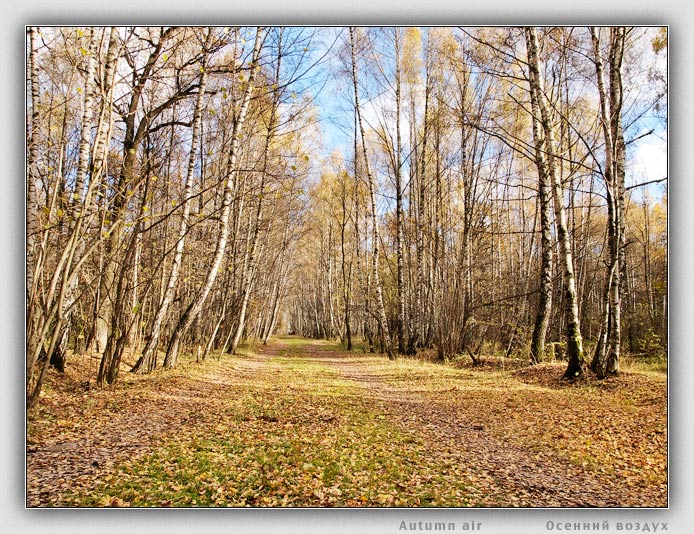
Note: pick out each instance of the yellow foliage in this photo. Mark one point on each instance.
(412, 55)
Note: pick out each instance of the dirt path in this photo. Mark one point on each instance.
(514, 475)
(462, 425)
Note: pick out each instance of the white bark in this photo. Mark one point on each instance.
(382, 318)
(195, 307)
(574, 339)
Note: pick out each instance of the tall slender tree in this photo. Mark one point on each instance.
(376, 237)
(573, 330)
(193, 309)
(608, 348)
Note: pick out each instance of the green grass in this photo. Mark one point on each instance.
(654, 366)
(300, 424)
(315, 443)
(315, 464)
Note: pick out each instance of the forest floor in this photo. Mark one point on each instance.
(304, 423)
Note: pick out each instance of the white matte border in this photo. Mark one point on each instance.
(677, 15)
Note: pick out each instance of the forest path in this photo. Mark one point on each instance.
(440, 406)
(303, 423)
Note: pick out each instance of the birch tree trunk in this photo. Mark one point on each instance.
(194, 308)
(100, 157)
(599, 361)
(345, 269)
(573, 329)
(33, 227)
(399, 235)
(618, 36)
(418, 337)
(382, 318)
(544, 309)
(32, 210)
(607, 350)
(148, 359)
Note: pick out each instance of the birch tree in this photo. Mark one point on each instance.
(148, 360)
(195, 306)
(573, 330)
(608, 348)
(375, 255)
(537, 345)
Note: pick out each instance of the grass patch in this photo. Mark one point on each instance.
(302, 423)
(306, 447)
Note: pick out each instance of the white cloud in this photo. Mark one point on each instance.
(648, 161)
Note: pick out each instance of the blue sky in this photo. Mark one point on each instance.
(647, 156)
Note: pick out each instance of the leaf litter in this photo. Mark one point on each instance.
(303, 423)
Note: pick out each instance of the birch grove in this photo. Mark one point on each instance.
(439, 192)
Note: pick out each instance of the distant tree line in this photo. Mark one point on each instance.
(485, 205)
